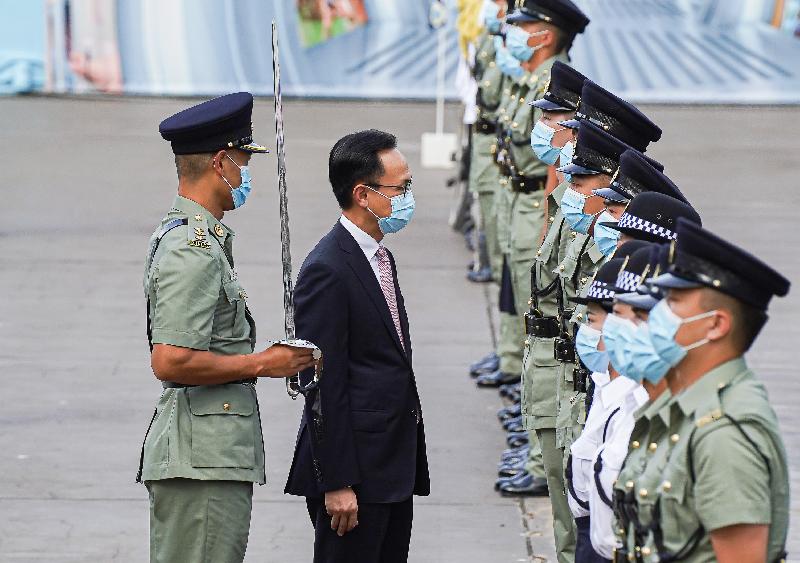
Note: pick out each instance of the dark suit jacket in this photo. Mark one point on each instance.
(371, 438)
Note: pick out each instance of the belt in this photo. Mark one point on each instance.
(173, 385)
(486, 126)
(528, 184)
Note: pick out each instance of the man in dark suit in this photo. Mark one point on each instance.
(363, 465)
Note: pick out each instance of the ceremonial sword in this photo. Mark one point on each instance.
(293, 386)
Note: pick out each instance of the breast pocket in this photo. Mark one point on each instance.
(223, 426)
(233, 319)
(676, 506)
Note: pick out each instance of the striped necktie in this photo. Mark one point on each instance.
(387, 286)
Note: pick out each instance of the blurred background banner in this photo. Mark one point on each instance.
(681, 51)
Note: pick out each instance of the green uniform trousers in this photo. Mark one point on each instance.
(489, 226)
(194, 521)
(563, 523)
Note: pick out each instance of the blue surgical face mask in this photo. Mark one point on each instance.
(664, 325)
(617, 334)
(645, 363)
(586, 342)
(565, 158)
(572, 204)
(507, 64)
(240, 194)
(402, 212)
(542, 142)
(488, 16)
(605, 237)
(517, 43)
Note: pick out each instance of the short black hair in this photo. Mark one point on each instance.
(354, 159)
(747, 320)
(192, 166)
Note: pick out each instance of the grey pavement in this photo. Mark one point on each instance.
(84, 183)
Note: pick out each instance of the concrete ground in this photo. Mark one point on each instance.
(86, 181)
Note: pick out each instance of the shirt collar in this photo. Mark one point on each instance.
(369, 246)
(616, 390)
(558, 192)
(600, 378)
(702, 395)
(190, 207)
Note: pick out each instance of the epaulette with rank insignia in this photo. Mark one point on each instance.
(197, 232)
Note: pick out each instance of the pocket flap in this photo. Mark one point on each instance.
(221, 399)
(369, 420)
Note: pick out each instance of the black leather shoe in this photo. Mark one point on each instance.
(506, 413)
(515, 426)
(514, 453)
(484, 275)
(516, 439)
(496, 379)
(509, 390)
(512, 422)
(525, 485)
(512, 469)
(487, 364)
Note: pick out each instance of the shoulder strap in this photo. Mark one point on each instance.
(164, 230)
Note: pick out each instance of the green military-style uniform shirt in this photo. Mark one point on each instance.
(196, 300)
(484, 174)
(725, 465)
(541, 369)
(576, 271)
(640, 474)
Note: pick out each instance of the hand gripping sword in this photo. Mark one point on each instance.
(293, 386)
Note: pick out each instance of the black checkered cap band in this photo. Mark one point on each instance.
(638, 224)
(600, 290)
(628, 281)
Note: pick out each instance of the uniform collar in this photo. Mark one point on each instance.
(543, 70)
(558, 192)
(703, 395)
(654, 408)
(192, 208)
(616, 390)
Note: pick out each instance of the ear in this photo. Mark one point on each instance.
(217, 161)
(360, 195)
(722, 325)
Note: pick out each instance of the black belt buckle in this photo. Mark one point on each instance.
(541, 327)
(564, 349)
(580, 377)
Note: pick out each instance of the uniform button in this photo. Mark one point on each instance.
(666, 486)
(631, 557)
(674, 438)
(536, 204)
(574, 234)
(635, 444)
(530, 302)
(583, 279)
(515, 125)
(646, 551)
(539, 252)
(522, 100)
(653, 447)
(551, 219)
(620, 531)
(502, 110)
(491, 64)
(486, 83)
(629, 485)
(643, 493)
(226, 406)
(562, 267)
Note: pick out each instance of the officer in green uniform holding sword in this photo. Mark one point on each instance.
(203, 449)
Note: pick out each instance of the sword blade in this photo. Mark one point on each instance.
(292, 383)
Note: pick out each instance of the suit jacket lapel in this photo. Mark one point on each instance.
(359, 264)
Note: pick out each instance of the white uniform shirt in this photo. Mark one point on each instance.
(369, 246)
(612, 453)
(608, 395)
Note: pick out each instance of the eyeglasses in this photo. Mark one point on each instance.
(405, 187)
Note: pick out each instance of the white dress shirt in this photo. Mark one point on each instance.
(369, 246)
(612, 453)
(608, 395)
